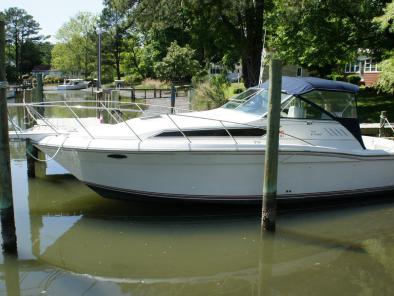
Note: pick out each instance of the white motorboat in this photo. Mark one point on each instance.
(72, 84)
(218, 155)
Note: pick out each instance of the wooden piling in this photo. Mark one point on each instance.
(132, 95)
(173, 96)
(32, 152)
(383, 119)
(6, 200)
(272, 147)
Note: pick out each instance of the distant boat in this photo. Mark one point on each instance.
(10, 93)
(72, 84)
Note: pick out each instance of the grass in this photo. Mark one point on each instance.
(370, 104)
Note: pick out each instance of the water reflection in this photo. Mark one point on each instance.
(73, 242)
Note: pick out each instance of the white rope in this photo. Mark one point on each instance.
(53, 156)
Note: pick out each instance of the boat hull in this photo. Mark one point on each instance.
(72, 87)
(224, 176)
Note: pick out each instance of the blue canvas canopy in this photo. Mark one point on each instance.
(302, 85)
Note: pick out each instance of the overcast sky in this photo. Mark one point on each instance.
(52, 14)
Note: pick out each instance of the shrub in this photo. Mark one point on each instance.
(132, 79)
(336, 77)
(355, 79)
(386, 79)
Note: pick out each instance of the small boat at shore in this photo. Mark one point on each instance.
(218, 155)
(72, 84)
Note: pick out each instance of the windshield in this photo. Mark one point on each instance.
(253, 100)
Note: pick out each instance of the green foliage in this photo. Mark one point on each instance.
(22, 42)
(133, 79)
(178, 65)
(386, 21)
(52, 80)
(321, 35)
(386, 25)
(76, 50)
(354, 79)
(219, 31)
(386, 79)
(336, 77)
(212, 93)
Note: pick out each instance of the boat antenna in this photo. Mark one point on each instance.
(262, 59)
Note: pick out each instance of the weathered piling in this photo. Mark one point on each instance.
(173, 96)
(6, 200)
(39, 93)
(32, 153)
(383, 119)
(272, 147)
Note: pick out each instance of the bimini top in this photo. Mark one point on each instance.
(302, 85)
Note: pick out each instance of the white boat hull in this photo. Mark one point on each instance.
(224, 175)
(72, 87)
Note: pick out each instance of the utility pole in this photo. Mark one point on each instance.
(272, 147)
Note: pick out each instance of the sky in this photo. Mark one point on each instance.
(52, 14)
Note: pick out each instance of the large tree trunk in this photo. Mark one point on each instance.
(251, 57)
(117, 52)
(17, 61)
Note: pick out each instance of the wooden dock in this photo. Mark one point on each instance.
(372, 129)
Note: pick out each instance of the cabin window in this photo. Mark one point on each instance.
(297, 108)
(253, 100)
(339, 104)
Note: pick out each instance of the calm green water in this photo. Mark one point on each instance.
(73, 242)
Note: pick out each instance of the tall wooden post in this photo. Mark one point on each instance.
(272, 147)
(132, 94)
(32, 152)
(383, 118)
(39, 93)
(173, 96)
(6, 200)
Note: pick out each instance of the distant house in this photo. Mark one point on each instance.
(46, 71)
(366, 67)
(232, 76)
(288, 70)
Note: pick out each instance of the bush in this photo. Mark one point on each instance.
(53, 80)
(336, 77)
(133, 79)
(386, 79)
(355, 79)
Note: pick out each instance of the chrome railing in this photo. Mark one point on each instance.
(119, 108)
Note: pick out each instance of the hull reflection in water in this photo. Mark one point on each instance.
(82, 244)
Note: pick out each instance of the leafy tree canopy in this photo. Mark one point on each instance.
(76, 49)
(321, 35)
(178, 65)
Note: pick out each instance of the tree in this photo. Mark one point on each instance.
(21, 35)
(232, 28)
(323, 35)
(113, 20)
(178, 65)
(386, 26)
(76, 49)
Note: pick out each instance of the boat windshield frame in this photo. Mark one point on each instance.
(248, 104)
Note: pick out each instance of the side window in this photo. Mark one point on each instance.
(296, 108)
(339, 104)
